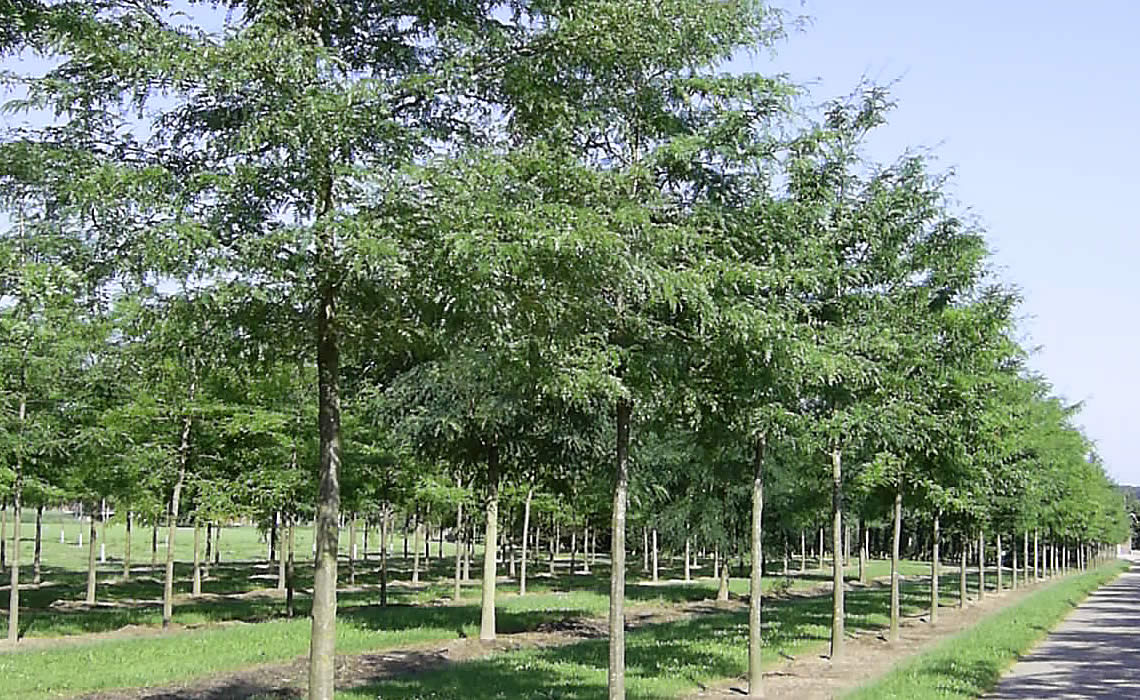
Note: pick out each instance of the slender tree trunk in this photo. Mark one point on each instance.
(615, 680)
(352, 550)
(417, 530)
(39, 545)
(154, 543)
(645, 549)
(755, 593)
(934, 572)
(725, 574)
(803, 551)
(837, 601)
(1013, 553)
(290, 581)
(656, 570)
(1036, 556)
(573, 549)
(197, 586)
(688, 570)
(963, 561)
(103, 532)
(586, 559)
(90, 600)
(172, 514)
(457, 592)
(997, 554)
(14, 571)
(821, 565)
(322, 644)
(894, 631)
(552, 545)
(864, 550)
(525, 533)
(218, 544)
(487, 623)
(1025, 558)
(4, 536)
(127, 548)
(385, 531)
(981, 564)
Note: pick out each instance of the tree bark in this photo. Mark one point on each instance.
(803, 551)
(351, 550)
(821, 565)
(688, 570)
(656, 570)
(417, 537)
(615, 680)
(981, 564)
(90, 600)
(645, 549)
(1013, 552)
(586, 560)
(1036, 556)
(725, 573)
(385, 531)
(894, 632)
(1025, 558)
(755, 593)
(864, 547)
(934, 564)
(127, 549)
(997, 554)
(525, 534)
(490, 539)
(172, 513)
(290, 570)
(457, 592)
(837, 601)
(197, 586)
(322, 646)
(963, 561)
(39, 545)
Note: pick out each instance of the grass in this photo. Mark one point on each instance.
(971, 663)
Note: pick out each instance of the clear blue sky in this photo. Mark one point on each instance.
(1036, 107)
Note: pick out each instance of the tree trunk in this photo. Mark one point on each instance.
(894, 632)
(490, 539)
(586, 560)
(385, 531)
(4, 536)
(457, 592)
(154, 543)
(552, 545)
(645, 549)
(197, 589)
(417, 537)
(616, 676)
(803, 551)
(1013, 552)
(90, 600)
(963, 561)
(38, 550)
(322, 645)
(656, 570)
(291, 524)
(837, 601)
(981, 565)
(934, 564)
(1036, 556)
(688, 570)
(864, 549)
(573, 549)
(755, 594)
(127, 549)
(351, 550)
(1025, 558)
(821, 565)
(172, 514)
(218, 544)
(525, 533)
(17, 489)
(997, 554)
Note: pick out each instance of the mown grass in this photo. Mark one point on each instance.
(971, 663)
(364, 626)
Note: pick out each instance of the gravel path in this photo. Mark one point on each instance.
(1094, 653)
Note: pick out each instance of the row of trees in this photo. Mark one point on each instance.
(545, 246)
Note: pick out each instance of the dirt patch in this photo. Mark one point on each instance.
(866, 656)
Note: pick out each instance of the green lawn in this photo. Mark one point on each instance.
(971, 663)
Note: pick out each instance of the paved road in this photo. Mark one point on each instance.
(1094, 653)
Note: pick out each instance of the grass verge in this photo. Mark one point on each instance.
(971, 663)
